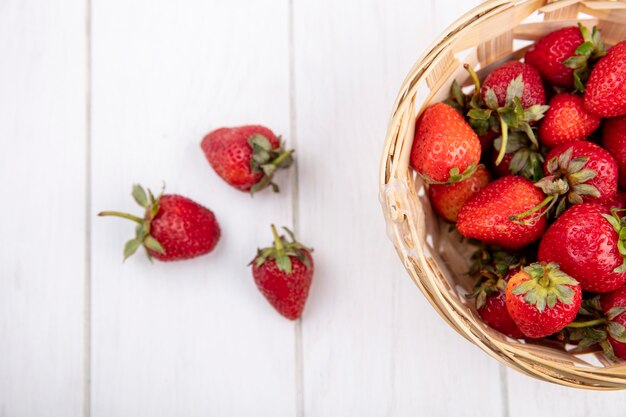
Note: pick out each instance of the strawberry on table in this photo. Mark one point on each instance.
(562, 57)
(605, 95)
(447, 200)
(246, 157)
(283, 273)
(614, 140)
(173, 227)
(566, 121)
(445, 148)
(542, 299)
(587, 242)
(489, 216)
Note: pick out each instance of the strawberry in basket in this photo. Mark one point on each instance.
(563, 57)
(601, 320)
(605, 95)
(542, 299)
(445, 148)
(587, 241)
(614, 140)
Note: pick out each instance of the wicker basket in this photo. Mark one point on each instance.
(486, 37)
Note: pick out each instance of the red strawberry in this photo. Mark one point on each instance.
(283, 273)
(445, 148)
(618, 201)
(448, 199)
(512, 98)
(564, 56)
(566, 121)
(532, 91)
(522, 157)
(548, 54)
(614, 140)
(614, 305)
(585, 242)
(173, 227)
(578, 172)
(490, 286)
(246, 157)
(605, 95)
(542, 299)
(489, 216)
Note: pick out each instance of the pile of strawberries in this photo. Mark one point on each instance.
(175, 228)
(528, 164)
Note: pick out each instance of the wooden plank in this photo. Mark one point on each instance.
(372, 344)
(42, 252)
(192, 338)
(550, 400)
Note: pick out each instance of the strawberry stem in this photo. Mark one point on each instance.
(505, 138)
(474, 77)
(588, 323)
(546, 201)
(278, 242)
(122, 215)
(276, 162)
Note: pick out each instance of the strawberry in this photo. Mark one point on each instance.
(489, 216)
(522, 157)
(562, 57)
(530, 88)
(490, 286)
(542, 299)
(246, 157)
(578, 172)
(586, 241)
(614, 140)
(566, 121)
(448, 199)
(511, 98)
(445, 148)
(614, 306)
(601, 320)
(283, 273)
(173, 227)
(605, 95)
(618, 201)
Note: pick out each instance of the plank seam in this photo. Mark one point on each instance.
(87, 280)
(298, 350)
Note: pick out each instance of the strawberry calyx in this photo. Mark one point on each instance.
(619, 225)
(567, 180)
(587, 53)
(282, 251)
(267, 160)
(593, 326)
(512, 116)
(142, 232)
(491, 266)
(527, 160)
(546, 286)
(454, 175)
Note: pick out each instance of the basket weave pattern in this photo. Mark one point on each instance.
(434, 256)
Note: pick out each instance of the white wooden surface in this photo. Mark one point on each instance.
(97, 95)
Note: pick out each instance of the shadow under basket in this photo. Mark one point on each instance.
(435, 257)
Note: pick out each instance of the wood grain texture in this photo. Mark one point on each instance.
(372, 345)
(42, 166)
(191, 338)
